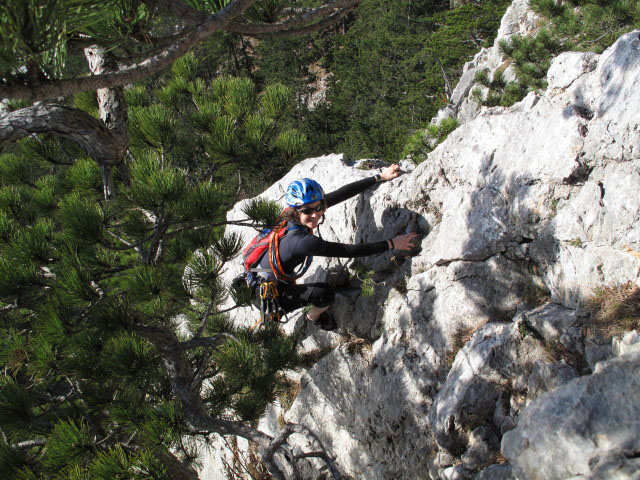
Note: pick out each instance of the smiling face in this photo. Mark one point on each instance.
(310, 220)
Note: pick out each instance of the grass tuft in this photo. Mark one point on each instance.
(460, 338)
(615, 309)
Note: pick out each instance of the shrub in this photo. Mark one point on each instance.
(423, 142)
(582, 25)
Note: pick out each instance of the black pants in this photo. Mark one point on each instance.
(294, 296)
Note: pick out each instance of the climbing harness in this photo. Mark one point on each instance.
(270, 309)
(267, 242)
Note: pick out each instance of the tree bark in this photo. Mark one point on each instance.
(88, 132)
(113, 112)
(328, 22)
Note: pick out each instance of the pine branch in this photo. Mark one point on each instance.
(114, 272)
(6, 308)
(155, 248)
(157, 43)
(206, 341)
(178, 9)
(128, 245)
(329, 22)
(181, 376)
(199, 376)
(177, 230)
(203, 322)
(29, 444)
(155, 62)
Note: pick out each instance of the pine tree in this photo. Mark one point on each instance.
(115, 349)
(51, 49)
(98, 382)
(218, 128)
(392, 65)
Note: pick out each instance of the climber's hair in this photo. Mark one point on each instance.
(291, 213)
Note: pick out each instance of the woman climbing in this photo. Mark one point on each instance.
(294, 248)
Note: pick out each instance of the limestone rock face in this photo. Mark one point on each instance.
(471, 359)
(587, 428)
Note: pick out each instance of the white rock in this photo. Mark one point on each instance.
(542, 193)
(627, 343)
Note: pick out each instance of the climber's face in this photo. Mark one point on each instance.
(311, 214)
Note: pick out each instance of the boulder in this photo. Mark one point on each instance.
(587, 428)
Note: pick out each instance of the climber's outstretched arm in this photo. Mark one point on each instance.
(360, 186)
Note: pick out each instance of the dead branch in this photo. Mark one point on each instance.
(88, 132)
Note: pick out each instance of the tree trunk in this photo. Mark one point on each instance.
(113, 112)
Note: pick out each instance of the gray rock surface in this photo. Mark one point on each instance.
(478, 336)
(586, 428)
(496, 472)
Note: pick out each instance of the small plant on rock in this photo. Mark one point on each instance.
(287, 393)
(355, 344)
(459, 340)
(535, 294)
(367, 289)
(423, 142)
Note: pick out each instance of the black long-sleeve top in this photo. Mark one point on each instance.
(298, 243)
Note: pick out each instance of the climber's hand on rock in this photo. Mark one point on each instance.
(404, 242)
(390, 173)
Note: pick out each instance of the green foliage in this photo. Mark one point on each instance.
(422, 142)
(86, 285)
(130, 358)
(223, 128)
(116, 463)
(84, 177)
(247, 376)
(367, 287)
(87, 101)
(37, 31)
(68, 443)
(41, 35)
(585, 25)
(82, 217)
(264, 213)
(153, 126)
(386, 71)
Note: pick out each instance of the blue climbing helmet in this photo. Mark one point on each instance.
(303, 191)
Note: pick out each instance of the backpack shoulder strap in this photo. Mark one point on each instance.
(275, 262)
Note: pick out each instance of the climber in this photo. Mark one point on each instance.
(306, 204)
